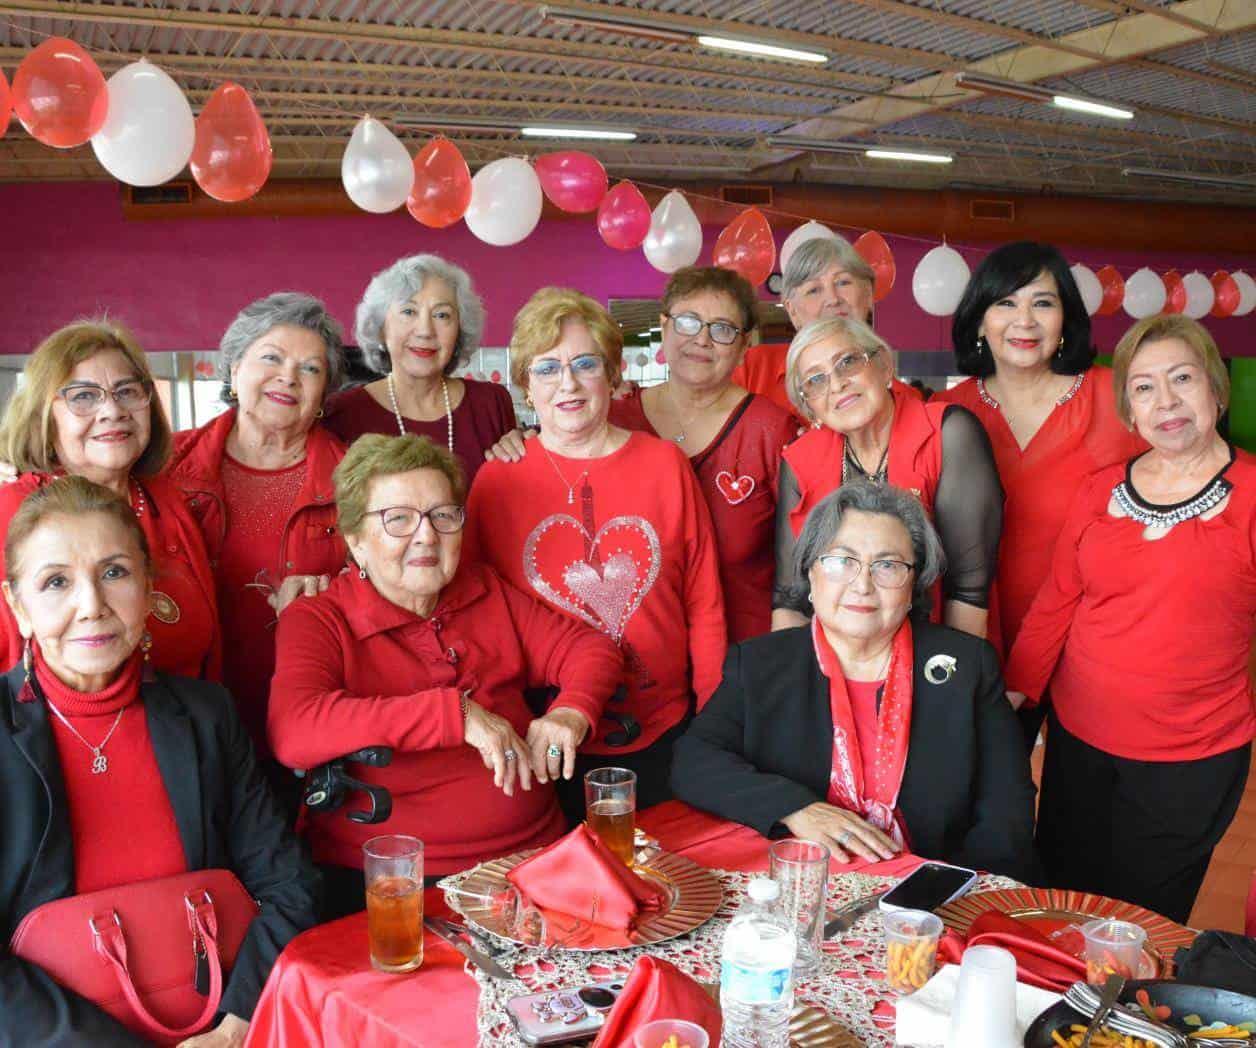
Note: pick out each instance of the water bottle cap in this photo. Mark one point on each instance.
(763, 889)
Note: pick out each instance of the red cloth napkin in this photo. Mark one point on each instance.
(577, 870)
(657, 989)
(1039, 962)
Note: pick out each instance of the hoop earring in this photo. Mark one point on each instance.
(146, 644)
(320, 413)
(28, 658)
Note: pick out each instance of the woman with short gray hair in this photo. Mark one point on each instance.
(864, 730)
(419, 320)
(258, 479)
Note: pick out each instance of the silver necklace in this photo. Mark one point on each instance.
(850, 462)
(1166, 516)
(571, 488)
(100, 763)
(449, 411)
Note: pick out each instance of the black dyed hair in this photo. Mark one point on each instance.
(1002, 272)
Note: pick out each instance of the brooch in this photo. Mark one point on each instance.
(164, 608)
(939, 669)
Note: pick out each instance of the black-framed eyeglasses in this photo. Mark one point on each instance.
(815, 386)
(689, 324)
(886, 573)
(588, 367)
(86, 398)
(403, 521)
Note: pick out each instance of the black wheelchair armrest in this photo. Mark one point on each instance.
(328, 786)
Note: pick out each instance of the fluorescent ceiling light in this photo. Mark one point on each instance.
(993, 85)
(899, 154)
(604, 134)
(1188, 176)
(1085, 105)
(865, 149)
(753, 47)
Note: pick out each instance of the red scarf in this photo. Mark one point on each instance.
(871, 793)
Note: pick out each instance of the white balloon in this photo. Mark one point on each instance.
(1144, 294)
(1199, 294)
(149, 133)
(376, 170)
(506, 201)
(807, 231)
(675, 237)
(1247, 293)
(939, 281)
(1089, 286)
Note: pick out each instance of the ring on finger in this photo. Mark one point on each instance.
(844, 837)
(554, 752)
(509, 755)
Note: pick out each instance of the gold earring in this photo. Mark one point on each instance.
(146, 644)
(28, 657)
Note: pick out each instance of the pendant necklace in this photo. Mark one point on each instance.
(851, 463)
(571, 488)
(100, 763)
(449, 411)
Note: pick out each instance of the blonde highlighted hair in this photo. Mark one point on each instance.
(378, 455)
(1157, 329)
(539, 327)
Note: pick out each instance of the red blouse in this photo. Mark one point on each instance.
(1145, 643)
(737, 472)
(762, 371)
(184, 622)
(484, 416)
(356, 670)
(1081, 435)
(623, 543)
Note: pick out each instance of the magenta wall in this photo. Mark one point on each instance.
(67, 251)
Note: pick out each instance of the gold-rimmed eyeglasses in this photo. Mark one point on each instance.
(86, 398)
(817, 385)
(886, 573)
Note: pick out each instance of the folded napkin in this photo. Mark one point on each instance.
(924, 1017)
(579, 876)
(657, 989)
(1039, 962)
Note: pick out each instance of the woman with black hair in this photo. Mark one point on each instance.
(1023, 333)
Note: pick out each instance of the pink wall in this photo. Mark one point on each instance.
(67, 251)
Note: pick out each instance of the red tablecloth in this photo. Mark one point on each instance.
(323, 990)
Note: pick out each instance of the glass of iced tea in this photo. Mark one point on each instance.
(393, 865)
(610, 807)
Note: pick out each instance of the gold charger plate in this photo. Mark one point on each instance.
(808, 1027)
(694, 894)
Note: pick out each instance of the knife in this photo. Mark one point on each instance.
(477, 957)
(1111, 991)
(850, 913)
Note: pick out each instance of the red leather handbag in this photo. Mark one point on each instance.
(139, 951)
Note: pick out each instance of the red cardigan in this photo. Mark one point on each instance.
(1145, 644)
(356, 670)
(633, 554)
(762, 371)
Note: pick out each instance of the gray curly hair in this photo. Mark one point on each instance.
(291, 308)
(813, 257)
(399, 282)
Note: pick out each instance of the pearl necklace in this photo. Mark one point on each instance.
(449, 411)
(100, 763)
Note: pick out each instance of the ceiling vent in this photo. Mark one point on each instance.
(747, 195)
(992, 210)
(169, 193)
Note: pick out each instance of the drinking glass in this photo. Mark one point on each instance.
(801, 868)
(1112, 948)
(984, 1011)
(504, 910)
(610, 805)
(393, 866)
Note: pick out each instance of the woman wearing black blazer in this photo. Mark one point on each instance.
(864, 731)
(85, 720)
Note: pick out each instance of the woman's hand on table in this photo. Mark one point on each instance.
(1017, 699)
(844, 833)
(511, 447)
(562, 728)
(297, 586)
(494, 738)
(227, 1034)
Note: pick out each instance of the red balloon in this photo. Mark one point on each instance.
(573, 181)
(59, 94)
(442, 185)
(231, 158)
(746, 246)
(1226, 299)
(1174, 292)
(623, 217)
(6, 104)
(1113, 285)
(876, 252)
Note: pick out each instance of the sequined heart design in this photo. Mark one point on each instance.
(734, 489)
(607, 598)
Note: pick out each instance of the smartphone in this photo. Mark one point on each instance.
(561, 1016)
(931, 885)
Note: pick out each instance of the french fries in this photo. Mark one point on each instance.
(909, 965)
(673, 1042)
(1104, 1038)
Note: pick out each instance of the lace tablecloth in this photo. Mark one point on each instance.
(847, 985)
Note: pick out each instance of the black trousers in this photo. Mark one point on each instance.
(1141, 831)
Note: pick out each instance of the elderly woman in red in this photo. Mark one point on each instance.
(258, 480)
(413, 651)
(86, 408)
(867, 426)
(1143, 631)
(610, 527)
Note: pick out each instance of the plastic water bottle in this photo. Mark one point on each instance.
(757, 972)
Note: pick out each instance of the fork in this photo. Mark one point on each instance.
(1083, 998)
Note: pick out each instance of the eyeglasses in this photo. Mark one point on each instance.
(86, 398)
(586, 368)
(815, 386)
(887, 574)
(403, 521)
(689, 324)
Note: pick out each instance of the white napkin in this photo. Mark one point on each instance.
(924, 1017)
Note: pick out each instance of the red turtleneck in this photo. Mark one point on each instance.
(121, 821)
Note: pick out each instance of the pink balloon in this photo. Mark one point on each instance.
(6, 104)
(1174, 292)
(232, 157)
(1226, 299)
(442, 185)
(623, 217)
(573, 181)
(876, 252)
(746, 246)
(59, 94)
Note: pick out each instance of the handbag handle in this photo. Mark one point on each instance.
(110, 942)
